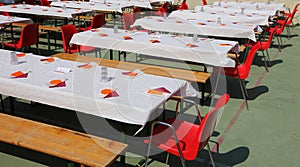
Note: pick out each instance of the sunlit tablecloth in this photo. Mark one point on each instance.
(83, 87)
(251, 5)
(43, 10)
(225, 17)
(198, 26)
(203, 50)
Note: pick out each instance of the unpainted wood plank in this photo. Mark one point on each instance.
(60, 142)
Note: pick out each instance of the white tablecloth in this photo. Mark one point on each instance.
(137, 3)
(42, 10)
(251, 5)
(83, 87)
(225, 18)
(199, 26)
(4, 20)
(109, 7)
(209, 51)
(236, 9)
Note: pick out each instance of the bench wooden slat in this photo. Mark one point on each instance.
(194, 76)
(64, 143)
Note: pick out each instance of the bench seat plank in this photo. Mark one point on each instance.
(193, 76)
(60, 142)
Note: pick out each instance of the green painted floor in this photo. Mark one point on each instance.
(268, 135)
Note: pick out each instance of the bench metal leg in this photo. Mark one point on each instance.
(2, 103)
(12, 105)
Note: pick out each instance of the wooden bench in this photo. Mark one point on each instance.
(74, 146)
(43, 28)
(188, 75)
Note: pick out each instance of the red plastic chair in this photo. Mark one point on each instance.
(242, 71)
(45, 3)
(184, 6)
(127, 20)
(265, 45)
(30, 2)
(290, 16)
(162, 10)
(204, 2)
(279, 29)
(136, 13)
(67, 33)
(29, 36)
(3, 13)
(97, 22)
(185, 139)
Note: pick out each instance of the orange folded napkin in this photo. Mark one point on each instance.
(222, 24)
(102, 35)
(201, 23)
(19, 74)
(130, 73)
(94, 30)
(158, 91)
(155, 92)
(225, 44)
(191, 45)
(231, 14)
(159, 20)
(57, 83)
(13, 6)
(86, 66)
(19, 55)
(109, 93)
(154, 41)
(127, 37)
(48, 60)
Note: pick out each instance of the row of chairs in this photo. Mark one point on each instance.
(184, 139)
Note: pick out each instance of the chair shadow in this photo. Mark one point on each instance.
(282, 46)
(228, 159)
(234, 90)
(259, 61)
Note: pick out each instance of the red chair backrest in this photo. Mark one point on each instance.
(244, 69)
(127, 21)
(3, 13)
(29, 35)
(184, 6)
(280, 27)
(209, 122)
(67, 32)
(292, 14)
(270, 38)
(136, 13)
(204, 2)
(98, 21)
(30, 2)
(45, 3)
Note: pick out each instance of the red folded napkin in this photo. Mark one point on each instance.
(102, 35)
(94, 30)
(178, 21)
(61, 84)
(59, 11)
(112, 94)
(162, 89)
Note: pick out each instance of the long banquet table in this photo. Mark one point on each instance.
(43, 10)
(83, 90)
(202, 50)
(251, 5)
(225, 17)
(111, 7)
(198, 26)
